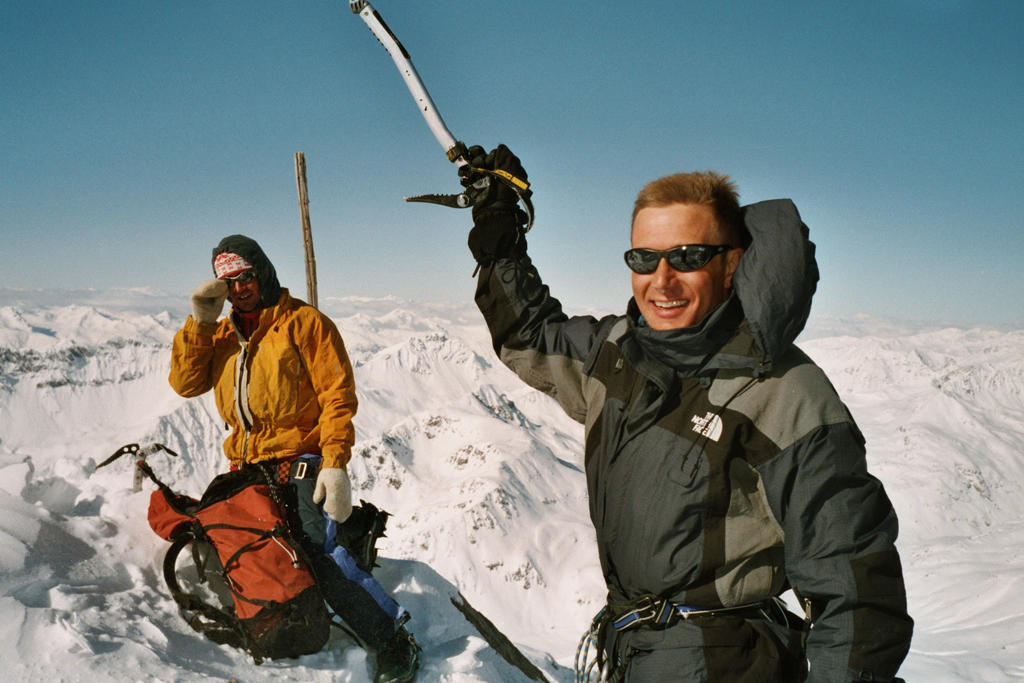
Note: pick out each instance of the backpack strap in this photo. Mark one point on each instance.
(216, 624)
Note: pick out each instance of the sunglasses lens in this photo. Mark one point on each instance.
(689, 258)
(643, 261)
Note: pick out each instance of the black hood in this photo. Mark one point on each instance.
(777, 276)
(247, 248)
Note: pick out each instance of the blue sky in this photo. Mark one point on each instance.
(134, 135)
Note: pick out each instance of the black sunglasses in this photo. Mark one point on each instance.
(243, 277)
(684, 258)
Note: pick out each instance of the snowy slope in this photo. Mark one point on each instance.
(484, 479)
(943, 414)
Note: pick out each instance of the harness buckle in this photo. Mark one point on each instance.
(302, 468)
(646, 609)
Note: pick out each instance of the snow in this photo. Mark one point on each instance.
(483, 477)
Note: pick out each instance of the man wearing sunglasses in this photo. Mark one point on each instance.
(722, 468)
(284, 385)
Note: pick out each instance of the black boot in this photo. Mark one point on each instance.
(398, 659)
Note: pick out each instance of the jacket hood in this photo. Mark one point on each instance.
(777, 275)
(247, 248)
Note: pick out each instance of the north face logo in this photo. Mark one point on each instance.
(710, 426)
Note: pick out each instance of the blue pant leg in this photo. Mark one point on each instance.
(358, 599)
(341, 557)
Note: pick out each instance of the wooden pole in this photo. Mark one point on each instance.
(307, 231)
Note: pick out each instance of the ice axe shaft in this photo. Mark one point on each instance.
(456, 151)
(476, 180)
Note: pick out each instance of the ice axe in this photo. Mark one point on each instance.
(474, 179)
(140, 453)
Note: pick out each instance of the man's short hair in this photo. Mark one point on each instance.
(700, 187)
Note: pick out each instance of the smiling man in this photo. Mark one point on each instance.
(672, 225)
(722, 468)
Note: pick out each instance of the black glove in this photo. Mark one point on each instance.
(497, 219)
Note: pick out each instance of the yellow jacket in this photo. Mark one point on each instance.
(289, 390)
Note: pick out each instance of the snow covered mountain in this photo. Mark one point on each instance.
(484, 479)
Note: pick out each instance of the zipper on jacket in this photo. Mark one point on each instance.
(242, 397)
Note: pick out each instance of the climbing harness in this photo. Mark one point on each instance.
(647, 611)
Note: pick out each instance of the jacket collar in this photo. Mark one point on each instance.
(689, 350)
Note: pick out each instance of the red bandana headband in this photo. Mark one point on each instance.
(229, 265)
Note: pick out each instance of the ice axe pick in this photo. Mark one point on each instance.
(140, 453)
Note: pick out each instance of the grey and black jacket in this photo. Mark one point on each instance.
(722, 467)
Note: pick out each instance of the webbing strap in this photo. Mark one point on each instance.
(653, 611)
(218, 625)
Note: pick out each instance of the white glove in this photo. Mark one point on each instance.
(335, 490)
(208, 300)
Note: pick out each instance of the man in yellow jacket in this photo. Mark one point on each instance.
(283, 384)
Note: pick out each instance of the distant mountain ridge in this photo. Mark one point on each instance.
(484, 478)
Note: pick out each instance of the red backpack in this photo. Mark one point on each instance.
(238, 531)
